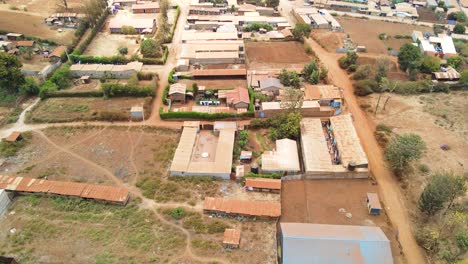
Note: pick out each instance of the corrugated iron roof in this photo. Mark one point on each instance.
(231, 236)
(83, 190)
(219, 72)
(319, 243)
(347, 140)
(374, 200)
(261, 183)
(13, 136)
(251, 208)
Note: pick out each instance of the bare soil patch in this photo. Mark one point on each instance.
(329, 40)
(41, 7)
(365, 32)
(33, 25)
(106, 44)
(276, 55)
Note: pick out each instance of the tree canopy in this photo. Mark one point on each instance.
(300, 31)
(459, 29)
(408, 56)
(313, 74)
(150, 48)
(289, 78)
(430, 64)
(443, 188)
(11, 77)
(402, 149)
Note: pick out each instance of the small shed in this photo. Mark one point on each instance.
(85, 79)
(240, 171)
(14, 36)
(182, 65)
(246, 156)
(231, 238)
(373, 203)
(14, 136)
(137, 112)
(177, 92)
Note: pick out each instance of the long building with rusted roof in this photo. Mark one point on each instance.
(262, 184)
(233, 207)
(112, 194)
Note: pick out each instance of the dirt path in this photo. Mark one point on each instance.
(389, 188)
(146, 203)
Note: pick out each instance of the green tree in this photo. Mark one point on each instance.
(11, 77)
(195, 88)
(461, 16)
(459, 29)
(362, 72)
(289, 78)
(150, 48)
(464, 77)
(348, 60)
(287, 124)
(301, 30)
(455, 61)
(311, 72)
(29, 87)
(272, 3)
(402, 149)
(323, 73)
(61, 77)
(408, 55)
(430, 64)
(443, 187)
(382, 66)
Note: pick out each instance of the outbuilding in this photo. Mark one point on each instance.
(146, 8)
(231, 238)
(270, 84)
(177, 92)
(14, 136)
(137, 113)
(373, 204)
(5, 201)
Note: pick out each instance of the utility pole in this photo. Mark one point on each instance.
(377, 106)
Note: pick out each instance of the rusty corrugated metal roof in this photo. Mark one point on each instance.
(13, 136)
(220, 72)
(252, 208)
(262, 183)
(231, 236)
(83, 190)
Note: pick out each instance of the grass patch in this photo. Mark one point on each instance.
(9, 149)
(205, 244)
(196, 224)
(384, 128)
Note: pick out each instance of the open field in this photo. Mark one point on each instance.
(276, 55)
(329, 40)
(33, 25)
(40, 7)
(439, 119)
(319, 201)
(84, 109)
(51, 230)
(366, 33)
(394, 73)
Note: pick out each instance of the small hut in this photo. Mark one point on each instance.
(373, 204)
(137, 112)
(14, 136)
(231, 238)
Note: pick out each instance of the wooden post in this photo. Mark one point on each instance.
(377, 106)
(386, 101)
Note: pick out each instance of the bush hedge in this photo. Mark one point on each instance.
(164, 95)
(202, 116)
(121, 90)
(48, 94)
(117, 59)
(173, 27)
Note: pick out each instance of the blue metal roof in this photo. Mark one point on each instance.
(317, 243)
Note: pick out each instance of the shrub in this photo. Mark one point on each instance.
(362, 72)
(308, 49)
(257, 27)
(348, 60)
(430, 64)
(201, 116)
(384, 128)
(243, 138)
(122, 50)
(301, 30)
(383, 36)
(459, 29)
(408, 56)
(402, 149)
(30, 87)
(170, 77)
(423, 168)
(164, 96)
(216, 226)
(365, 87)
(178, 213)
(455, 61)
(121, 90)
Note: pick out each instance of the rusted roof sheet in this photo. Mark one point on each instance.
(25, 43)
(13, 136)
(261, 183)
(83, 190)
(220, 72)
(231, 236)
(374, 200)
(251, 208)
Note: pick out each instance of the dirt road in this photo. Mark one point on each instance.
(388, 185)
